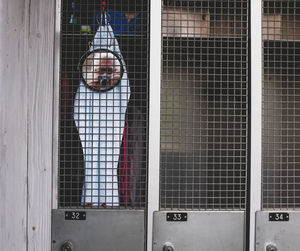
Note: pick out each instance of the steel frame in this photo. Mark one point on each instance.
(154, 113)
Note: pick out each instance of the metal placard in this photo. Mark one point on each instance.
(279, 216)
(284, 235)
(211, 231)
(101, 230)
(75, 215)
(177, 216)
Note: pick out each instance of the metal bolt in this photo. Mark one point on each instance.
(271, 247)
(67, 246)
(168, 247)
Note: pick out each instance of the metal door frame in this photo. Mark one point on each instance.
(56, 102)
(154, 116)
(255, 136)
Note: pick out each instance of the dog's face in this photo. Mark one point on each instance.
(101, 70)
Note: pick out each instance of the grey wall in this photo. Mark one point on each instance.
(26, 96)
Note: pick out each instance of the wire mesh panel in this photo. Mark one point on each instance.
(103, 103)
(204, 105)
(281, 104)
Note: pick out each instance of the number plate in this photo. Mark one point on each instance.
(75, 215)
(177, 216)
(279, 217)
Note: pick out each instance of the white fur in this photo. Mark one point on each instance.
(100, 117)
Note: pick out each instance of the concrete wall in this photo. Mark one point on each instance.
(26, 114)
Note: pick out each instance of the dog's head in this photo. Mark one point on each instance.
(102, 70)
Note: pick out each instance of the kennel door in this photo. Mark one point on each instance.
(102, 129)
(204, 126)
(277, 224)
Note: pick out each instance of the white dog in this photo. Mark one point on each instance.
(101, 70)
(99, 113)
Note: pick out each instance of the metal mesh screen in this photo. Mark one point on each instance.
(204, 105)
(281, 104)
(103, 103)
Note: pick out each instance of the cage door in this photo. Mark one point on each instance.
(204, 124)
(279, 217)
(102, 136)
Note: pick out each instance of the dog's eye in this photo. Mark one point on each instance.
(102, 63)
(106, 71)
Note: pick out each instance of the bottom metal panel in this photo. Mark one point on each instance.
(202, 231)
(279, 229)
(102, 230)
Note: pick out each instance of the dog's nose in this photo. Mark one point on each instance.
(103, 81)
